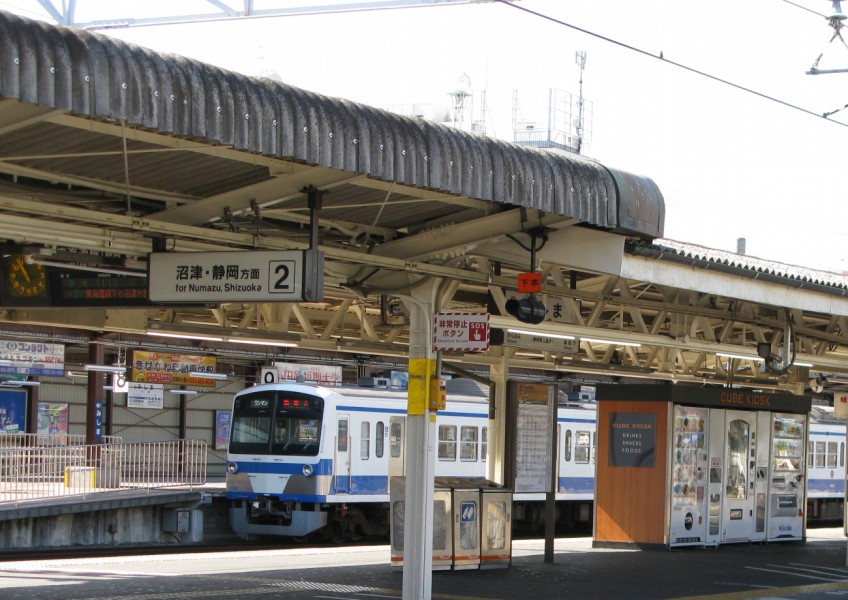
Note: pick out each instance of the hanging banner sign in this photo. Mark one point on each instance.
(462, 332)
(32, 358)
(326, 375)
(262, 276)
(165, 367)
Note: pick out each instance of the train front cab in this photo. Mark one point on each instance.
(277, 474)
(680, 466)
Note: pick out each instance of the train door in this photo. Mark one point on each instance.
(397, 467)
(739, 477)
(342, 462)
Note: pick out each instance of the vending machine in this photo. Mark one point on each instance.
(689, 477)
(787, 477)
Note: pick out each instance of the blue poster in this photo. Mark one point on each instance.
(12, 411)
(222, 428)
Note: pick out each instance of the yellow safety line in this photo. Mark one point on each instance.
(770, 592)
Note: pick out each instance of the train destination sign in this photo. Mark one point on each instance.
(249, 276)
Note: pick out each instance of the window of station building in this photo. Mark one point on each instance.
(567, 446)
(582, 447)
(447, 442)
(484, 443)
(379, 439)
(468, 443)
(365, 440)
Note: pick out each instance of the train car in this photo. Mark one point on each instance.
(303, 459)
(825, 467)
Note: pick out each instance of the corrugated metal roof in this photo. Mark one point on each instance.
(750, 263)
(94, 76)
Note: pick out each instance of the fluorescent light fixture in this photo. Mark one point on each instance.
(208, 375)
(75, 267)
(262, 342)
(108, 388)
(741, 356)
(75, 374)
(184, 392)
(14, 383)
(802, 364)
(611, 342)
(187, 336)
(106, 368)
(557, 336)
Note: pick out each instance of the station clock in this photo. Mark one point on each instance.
(22, 279)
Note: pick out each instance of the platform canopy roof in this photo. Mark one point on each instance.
(109, 150)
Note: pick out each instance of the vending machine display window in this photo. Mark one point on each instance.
(788, 445)
(688, 440)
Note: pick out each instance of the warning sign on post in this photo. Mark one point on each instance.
(461, 332)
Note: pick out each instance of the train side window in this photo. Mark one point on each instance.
(396, 441)
(842, 454)
(484, 443)
(379, 439)
(810, 454)
(820, 454)
(468, 443)
(582, 446)
(594, 444)
(365, 440)
(567, 448)
(342, 441)
(831, 453)
(447, 442)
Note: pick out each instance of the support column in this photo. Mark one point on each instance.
(496, 440)
(420, 447)
(94, 408)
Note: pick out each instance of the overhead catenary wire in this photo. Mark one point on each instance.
(673, 63)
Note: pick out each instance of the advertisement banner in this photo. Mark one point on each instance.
(32, 358)
(167, 367)
(222, 428)
(53, 421)
(326, 375)
(12, 411)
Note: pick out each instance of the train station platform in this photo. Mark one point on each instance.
(814, 570)
(116, 517)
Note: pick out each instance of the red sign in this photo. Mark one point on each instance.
(529, 283)
(465, 332)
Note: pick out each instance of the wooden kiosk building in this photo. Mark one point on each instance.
(696, 466)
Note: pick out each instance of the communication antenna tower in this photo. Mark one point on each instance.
(580, 59)
(459, 96)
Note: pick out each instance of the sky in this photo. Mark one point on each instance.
(728, 123)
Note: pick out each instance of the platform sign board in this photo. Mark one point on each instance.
(146, 395)
(320, 374)
(461, 332)
(540, 341)
(248, 276)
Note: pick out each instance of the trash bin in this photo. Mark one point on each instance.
(442, 524)
(472, 520)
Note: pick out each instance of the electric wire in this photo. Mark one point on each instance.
(661, 58)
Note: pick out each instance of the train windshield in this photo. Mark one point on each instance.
(276, 423)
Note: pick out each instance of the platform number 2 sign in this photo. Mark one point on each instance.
(281, 276)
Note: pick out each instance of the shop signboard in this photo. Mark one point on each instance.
(171, 368)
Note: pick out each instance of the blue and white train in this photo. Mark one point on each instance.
(304, 459)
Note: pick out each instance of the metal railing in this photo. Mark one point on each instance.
(29, 440)
(32, 473)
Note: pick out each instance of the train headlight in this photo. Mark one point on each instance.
(232, 467)
(307, 470)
